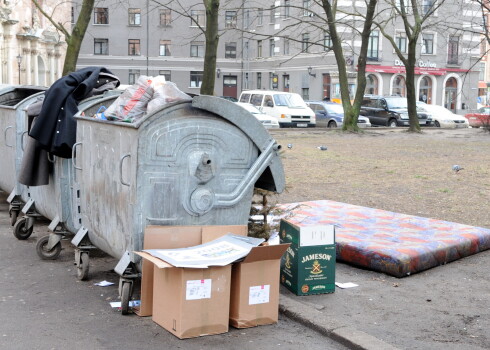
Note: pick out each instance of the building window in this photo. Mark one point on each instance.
(306, 8)
(165, 17)
(197, 49)
(286, 46)
(327, 41)
(287, 8)
(305, 42)
(305, 93)
(133, 76)
(401, 42)
(259, 48)
(373, 46)
(425, 91)
(198, 18)
(134, 17)
(260, 17)
(371, 85)
(273, 14)
(272, 47)
(101, 46)
(259, 80)
(166, 73)
(482, 72)
(196, 79)
(134, 47)
(165, 48)
(246, 18)
(452, 50)
(399, 86)
(285, 79)
(72, 15)
(427, 6)
(428, 44)
(101, 15)
(230, 50)
(230, 19)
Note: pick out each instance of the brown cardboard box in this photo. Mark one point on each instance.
(188, 302)
(255, 287)
(172, 237)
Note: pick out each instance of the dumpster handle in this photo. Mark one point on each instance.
(51, 160)
(5, 135)
(120, 170)
(22, 140)
(73, 158)
(262, 162)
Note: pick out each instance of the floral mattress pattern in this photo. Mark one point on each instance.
(392, 243)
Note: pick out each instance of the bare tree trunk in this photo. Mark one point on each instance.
(75, 40)
(410, 83)
(212, 40)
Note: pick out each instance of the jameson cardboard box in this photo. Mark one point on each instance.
(255, 287)
(308, 266)
(188, 302)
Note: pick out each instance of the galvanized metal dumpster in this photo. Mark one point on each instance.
(56, 201)
(188, 163)
(14, 99)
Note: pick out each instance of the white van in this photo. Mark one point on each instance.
(289, 108)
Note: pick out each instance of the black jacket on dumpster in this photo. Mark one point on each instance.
(55, 128)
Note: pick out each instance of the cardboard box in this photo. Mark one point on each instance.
(255, 287)
(188, 302)
(308, 267)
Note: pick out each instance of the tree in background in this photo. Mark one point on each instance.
(75, 38)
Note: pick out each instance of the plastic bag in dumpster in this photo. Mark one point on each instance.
(165, 92)
(132, 104)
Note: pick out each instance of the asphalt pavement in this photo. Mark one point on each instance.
(45, 307)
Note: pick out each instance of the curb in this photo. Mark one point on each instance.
(318, 321)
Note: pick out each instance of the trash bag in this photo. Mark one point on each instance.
(133, 102)
(165, 92)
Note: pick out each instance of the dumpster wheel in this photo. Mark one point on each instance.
(82, 268)
(125, 297)
(21, 231)
(46, 254)
(14, 214)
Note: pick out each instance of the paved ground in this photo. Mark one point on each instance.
(44, 307)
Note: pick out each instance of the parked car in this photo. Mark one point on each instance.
(230, 98)
(480, 118)
(331, 115)
(269, 122)
(289, 108)
(390, 111)
(443, 117)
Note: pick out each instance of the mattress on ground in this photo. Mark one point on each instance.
(393, 243)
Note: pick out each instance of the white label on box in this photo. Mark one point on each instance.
(317, 235)
(198, 289)
(259, 294)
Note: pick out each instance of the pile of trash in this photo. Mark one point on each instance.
(144, 97)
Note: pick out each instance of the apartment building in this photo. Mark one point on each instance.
(283, 45)
(32, 51)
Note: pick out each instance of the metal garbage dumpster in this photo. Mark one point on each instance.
(55, 201)
(14, 99)
(187, 163)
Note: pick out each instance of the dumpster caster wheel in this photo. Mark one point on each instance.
(14, 214)
(46, 254)
(21, 232)
(125, 297)
(82, 269)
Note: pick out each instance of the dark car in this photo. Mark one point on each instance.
(390, 111)
(331, 115)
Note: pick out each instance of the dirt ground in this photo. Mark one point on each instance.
(447, 307)
(393, 170)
